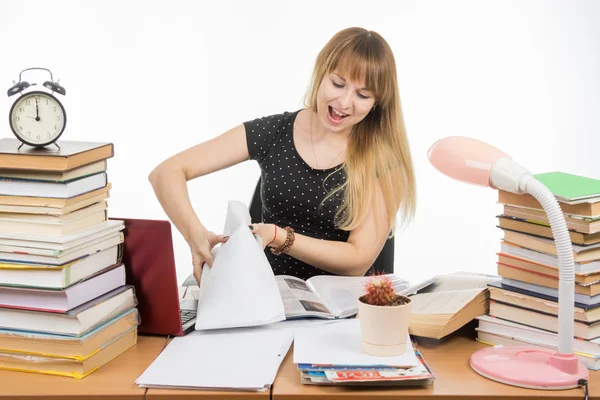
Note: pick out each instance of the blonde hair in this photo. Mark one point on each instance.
(377, 150)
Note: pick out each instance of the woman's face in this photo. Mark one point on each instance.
(341, 103)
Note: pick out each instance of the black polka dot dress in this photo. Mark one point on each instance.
(292, 192)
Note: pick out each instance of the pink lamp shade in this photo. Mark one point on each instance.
(465, 159)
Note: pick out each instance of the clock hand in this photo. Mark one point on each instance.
(37, 111)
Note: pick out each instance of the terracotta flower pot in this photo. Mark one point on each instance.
(384, 329)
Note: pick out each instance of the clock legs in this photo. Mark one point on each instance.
(21, 145)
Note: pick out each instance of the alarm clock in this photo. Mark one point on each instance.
(37, 118)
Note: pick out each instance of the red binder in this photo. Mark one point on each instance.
(150, 267)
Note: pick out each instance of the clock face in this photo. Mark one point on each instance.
(37, 118)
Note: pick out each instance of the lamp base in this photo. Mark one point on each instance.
(529, 367)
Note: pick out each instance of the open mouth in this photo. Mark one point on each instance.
(336, 115)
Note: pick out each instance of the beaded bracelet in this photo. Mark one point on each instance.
(289, 241)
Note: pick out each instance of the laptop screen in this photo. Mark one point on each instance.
(150, 267)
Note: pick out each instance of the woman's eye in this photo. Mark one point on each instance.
(337, 85)
(363, 96)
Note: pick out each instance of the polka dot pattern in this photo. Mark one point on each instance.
(292, 192)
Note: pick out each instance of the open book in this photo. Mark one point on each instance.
(327, 296)
(240, 290)
(450, 303)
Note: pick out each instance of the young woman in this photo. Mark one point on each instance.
(334, 175)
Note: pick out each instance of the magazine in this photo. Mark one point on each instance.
(419, 375)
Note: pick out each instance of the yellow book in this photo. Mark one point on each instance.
(68, 367)
(69, 347)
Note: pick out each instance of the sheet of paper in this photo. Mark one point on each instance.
(242, 359)
(237, 214)
(443, 302)
(295, 325)
(240, 290)
(340, 343)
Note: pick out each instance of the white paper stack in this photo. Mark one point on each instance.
(238, 359)
(340, 343)
(240, 289)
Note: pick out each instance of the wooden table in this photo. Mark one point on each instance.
(449, 361)
(114, 380)
(455, 380)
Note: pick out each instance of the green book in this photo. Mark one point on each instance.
(568, 187)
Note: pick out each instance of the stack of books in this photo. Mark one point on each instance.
(64, 306)
(332, 354)
(524, 305)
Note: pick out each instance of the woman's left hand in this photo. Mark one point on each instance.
(267, 232)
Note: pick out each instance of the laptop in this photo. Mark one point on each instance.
(150, 267)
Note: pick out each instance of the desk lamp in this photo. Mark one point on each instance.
(472, 161)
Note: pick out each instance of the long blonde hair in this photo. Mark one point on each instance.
(377, 150)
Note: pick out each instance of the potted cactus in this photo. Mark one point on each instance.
(384, 318)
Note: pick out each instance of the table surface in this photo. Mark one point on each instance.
(449, 360)
(115, 379)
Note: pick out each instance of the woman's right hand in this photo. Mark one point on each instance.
(201, 242)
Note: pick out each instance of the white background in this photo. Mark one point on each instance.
(156, 77)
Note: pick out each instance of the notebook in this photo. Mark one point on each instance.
(569, 187)
(150, 267)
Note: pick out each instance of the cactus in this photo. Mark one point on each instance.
(379, 291)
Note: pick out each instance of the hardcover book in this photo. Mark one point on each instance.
(70, 155)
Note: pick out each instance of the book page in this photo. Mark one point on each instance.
(460, 281)
(240, 290)
(449, 302)
(340, 293)
(299, 300)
